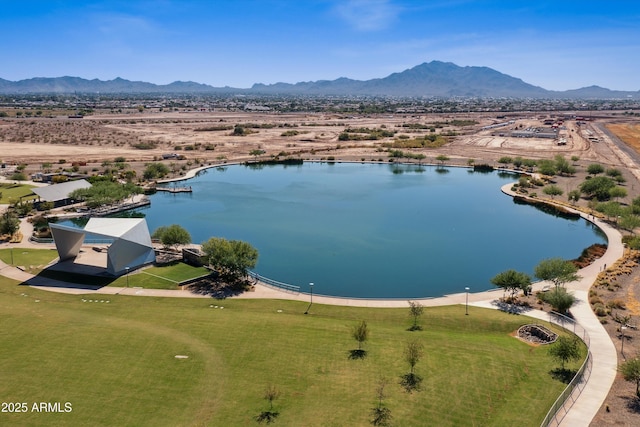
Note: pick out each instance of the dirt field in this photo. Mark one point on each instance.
(208, 138)
(204, 138)
(627, 132)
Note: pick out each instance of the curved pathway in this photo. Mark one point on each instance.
(602, 348)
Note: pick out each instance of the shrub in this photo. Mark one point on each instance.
(595, 300)
(617, 303)
(600, 310)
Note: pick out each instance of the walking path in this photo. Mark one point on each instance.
(602, 348)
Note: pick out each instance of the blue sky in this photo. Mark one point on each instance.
(557, 45)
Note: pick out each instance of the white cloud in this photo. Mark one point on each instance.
(368, 15)
(120, 24)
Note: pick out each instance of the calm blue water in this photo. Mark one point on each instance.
(373, 230)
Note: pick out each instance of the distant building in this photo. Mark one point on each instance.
(59, 193)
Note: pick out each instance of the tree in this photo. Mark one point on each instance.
(597, 187)
(512, 281)
(617, 192)
(630, 370)
(155, 170)
(595, 169)
(381, 415)
(105, 192)
(552, 190)
(629, 222)
(442, 158)
(546, 167)
(524, 181)
(574, 196)
(232, 258)
(565, 349)
(563, 167)
(172, 235)
(557, 270)
(610, 209)
(635, 206)
(9, 223)
(271, 393)
(18, 176)
(22, 208)
(518, 161)
(416, 309)
(360, 333)
(413, 352)
(256, 153)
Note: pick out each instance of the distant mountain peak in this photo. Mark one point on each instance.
(429, 79)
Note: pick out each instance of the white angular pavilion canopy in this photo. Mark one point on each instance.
(131, 247)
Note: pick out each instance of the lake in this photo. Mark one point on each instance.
(373, 230)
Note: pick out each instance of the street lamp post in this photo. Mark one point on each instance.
(127, 269)
(310, 296)
(622, 329)
(466, 304)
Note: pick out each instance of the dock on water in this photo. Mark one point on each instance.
(175, 189)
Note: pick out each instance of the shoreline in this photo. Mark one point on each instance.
(263, 290)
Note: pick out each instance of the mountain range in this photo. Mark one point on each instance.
(430, 79)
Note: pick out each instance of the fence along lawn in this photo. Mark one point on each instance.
(115, 363)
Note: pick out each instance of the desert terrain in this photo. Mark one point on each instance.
(208, 138)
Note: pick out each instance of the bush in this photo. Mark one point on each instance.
(600, 310)
(559, 299)
(595, 300)
(617, 303)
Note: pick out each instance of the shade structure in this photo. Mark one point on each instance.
(57, 192)
(131, 247)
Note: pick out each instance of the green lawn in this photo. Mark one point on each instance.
(11, 193)
(115, 363)
(164, 277)
(33, 260)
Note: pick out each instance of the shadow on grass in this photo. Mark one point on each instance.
(563, 375)
(62, 279)
(415, 328)
(381, 416)
(267, 417)
(411, 382)
(218, 289)
(357, 354)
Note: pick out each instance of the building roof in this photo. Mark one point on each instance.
(56, 192)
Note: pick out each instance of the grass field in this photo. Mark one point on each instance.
(163, 277)
(33, 260)
(12, 192)
(113, 360)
